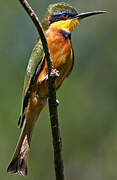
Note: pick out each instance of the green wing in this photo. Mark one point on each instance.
(34, 60)
(33, 67)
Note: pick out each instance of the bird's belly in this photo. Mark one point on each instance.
(63, 67)
(64, 70)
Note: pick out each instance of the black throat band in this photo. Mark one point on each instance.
(66, 34)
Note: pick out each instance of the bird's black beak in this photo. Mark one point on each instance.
(87, 14)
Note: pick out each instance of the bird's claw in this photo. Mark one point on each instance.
(55, 73)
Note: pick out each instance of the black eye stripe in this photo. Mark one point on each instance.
(54, 18)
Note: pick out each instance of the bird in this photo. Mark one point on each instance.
(58, 23)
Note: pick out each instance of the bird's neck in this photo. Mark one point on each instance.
(67, 25)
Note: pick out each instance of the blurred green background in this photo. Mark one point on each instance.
(88, 98)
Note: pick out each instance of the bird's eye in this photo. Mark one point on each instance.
(64, 15)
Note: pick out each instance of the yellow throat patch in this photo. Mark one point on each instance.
(68, 25)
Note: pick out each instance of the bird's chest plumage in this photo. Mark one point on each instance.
(59, 46)
(62, 57)
(61, 52)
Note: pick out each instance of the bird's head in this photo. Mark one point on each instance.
(64, 16)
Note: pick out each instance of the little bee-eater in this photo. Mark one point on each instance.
(58, 23)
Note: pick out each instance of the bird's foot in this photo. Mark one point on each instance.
(55, 73)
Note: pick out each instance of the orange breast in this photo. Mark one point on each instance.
(62, 58)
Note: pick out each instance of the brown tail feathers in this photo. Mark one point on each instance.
(19, 160)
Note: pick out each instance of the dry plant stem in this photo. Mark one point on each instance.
(52, 74)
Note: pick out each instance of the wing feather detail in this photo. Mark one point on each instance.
(33, 69)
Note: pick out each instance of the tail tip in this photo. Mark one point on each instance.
(17, 166)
